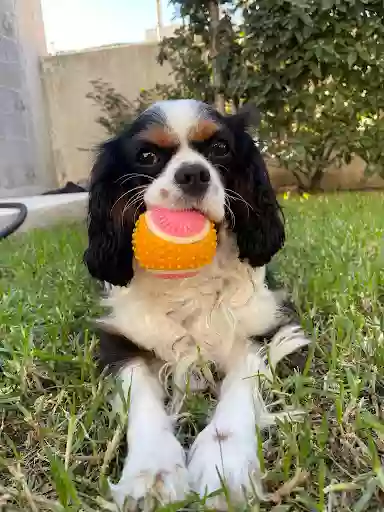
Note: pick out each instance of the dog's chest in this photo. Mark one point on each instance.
(211, 315)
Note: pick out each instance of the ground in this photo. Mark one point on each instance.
(58, 438)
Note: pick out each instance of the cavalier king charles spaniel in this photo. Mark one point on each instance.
(162, 335)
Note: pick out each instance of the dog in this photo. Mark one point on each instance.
(183, 154)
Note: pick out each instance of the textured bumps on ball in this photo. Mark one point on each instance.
(158, 249)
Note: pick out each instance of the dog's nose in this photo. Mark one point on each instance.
(193, 179)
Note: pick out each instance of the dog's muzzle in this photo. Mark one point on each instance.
(193, 179)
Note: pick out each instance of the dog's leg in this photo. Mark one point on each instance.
(155, 465)
(225, 452)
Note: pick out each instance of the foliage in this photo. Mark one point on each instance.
(370, 140)
(317, 77)
(307, 149)
(194, 58)
(314, 68)
(118, 112)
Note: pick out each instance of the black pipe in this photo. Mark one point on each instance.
(21, 216)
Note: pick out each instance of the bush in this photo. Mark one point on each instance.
(118, 112)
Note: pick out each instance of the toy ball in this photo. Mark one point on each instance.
(174, 243)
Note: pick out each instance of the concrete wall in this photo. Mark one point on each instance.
(348, 177)
(74, 131)
(128, 68)
(25, 165)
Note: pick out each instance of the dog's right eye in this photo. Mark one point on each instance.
(147, 158)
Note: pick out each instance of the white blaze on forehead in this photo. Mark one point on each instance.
(182, 115)
(185, 121)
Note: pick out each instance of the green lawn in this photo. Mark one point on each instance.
(57, 433)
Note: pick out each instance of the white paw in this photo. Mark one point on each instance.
(152, 471)
(225, 459)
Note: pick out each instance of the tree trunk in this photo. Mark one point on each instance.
(217, 79)
(316, 179)
(302, 184)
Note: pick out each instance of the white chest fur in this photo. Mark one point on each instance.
(211, 315)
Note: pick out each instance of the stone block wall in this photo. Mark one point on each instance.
(25, 165)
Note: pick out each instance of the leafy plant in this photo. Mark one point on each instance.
(206, 53)
(116, 111)
(317, 78)
(315, 69)
(318, 136)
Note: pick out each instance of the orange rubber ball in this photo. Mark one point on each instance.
(174, 243)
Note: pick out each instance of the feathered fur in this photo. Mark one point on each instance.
(215, 317)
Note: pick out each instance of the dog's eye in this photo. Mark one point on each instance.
(148, 158)
(219, 149)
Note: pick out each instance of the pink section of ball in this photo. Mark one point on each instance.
(178, 223)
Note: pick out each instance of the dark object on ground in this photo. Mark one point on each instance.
(69, 188)
(21, 216)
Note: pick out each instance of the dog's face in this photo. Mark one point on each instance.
(181, 148)
(180, 154)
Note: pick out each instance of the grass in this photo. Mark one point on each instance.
(58, 438)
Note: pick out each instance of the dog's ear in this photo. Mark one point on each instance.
(109, 254)
(259, 223)
(248, 116)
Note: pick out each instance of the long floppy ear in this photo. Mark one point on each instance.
(247, 116)
(109, 253)
(259, 223)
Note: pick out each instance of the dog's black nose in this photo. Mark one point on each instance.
(193, 179)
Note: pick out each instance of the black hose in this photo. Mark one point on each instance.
(21, 216)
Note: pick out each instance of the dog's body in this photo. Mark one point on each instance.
(183, 154)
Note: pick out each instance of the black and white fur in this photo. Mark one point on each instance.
(179, 325)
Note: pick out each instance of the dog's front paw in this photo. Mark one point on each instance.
(227, 460)
(153, 471)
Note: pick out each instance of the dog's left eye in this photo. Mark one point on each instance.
(219, 149)
(147, 158)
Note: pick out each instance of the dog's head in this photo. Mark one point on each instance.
(180, 154)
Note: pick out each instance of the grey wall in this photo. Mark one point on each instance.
(25, 161)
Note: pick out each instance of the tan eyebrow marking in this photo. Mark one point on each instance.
(203, 130)
(160, 136)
